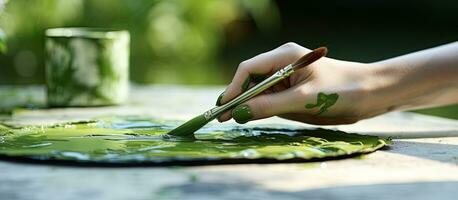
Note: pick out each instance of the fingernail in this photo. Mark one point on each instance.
(242, 114)
(218, 101)
(246, 84)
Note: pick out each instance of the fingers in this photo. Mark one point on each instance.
(264, 106)
(263, 64)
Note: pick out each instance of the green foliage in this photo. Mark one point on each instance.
(2, 34)
(2, 42)
(444, 111)
(173, 41)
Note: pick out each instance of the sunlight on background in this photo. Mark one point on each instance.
(174, 41)
(202, 41)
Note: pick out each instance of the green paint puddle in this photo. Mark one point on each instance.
(133, 140)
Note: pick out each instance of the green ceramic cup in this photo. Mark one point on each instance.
(86, 66)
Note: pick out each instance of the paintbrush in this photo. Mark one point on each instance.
(198, 122)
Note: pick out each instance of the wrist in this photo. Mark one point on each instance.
(385, 90)
(399, 85)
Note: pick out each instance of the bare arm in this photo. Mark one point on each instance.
(422, 79)
(332, 91)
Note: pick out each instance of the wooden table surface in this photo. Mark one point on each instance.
(422, 163)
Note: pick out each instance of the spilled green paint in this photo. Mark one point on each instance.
(324, 102)
(136, 140)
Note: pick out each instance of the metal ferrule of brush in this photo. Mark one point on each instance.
(260, 87)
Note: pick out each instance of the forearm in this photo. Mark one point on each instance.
(422, 79)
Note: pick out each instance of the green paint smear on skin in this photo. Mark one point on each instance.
(324, 102)
(138, 140)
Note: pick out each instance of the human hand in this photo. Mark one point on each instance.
(329, 91)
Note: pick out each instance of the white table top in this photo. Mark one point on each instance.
(414, 167)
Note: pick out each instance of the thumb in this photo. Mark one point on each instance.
(263, 106)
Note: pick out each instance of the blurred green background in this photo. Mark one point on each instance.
(202, 41)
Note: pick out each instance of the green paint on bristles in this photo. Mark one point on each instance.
(191, 126)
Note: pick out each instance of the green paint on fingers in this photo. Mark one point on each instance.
(218, 101)
(246, 84)
(324, 102)
(242, 114)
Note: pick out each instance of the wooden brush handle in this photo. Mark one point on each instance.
(309, 58)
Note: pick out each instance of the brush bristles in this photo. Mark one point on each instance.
(189, 127)
(311, 57)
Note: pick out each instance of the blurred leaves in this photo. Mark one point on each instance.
(186, 35)
(173, 41)
(24, 22)
(3, 48)
(2, 41)
(264, 12)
